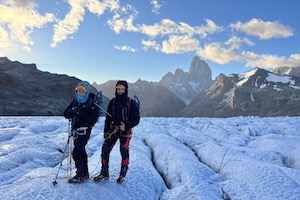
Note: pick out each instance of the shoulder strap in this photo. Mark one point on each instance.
(74, 103)
(128, 103)
(89, 103)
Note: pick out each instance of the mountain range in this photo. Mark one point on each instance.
(257, 92)
(171, 94)
(29, 91)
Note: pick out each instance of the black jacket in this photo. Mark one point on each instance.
(125, 111)
(82, 114)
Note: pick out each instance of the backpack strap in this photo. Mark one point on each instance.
(128, 105)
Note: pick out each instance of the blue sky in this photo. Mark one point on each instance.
(102, 40)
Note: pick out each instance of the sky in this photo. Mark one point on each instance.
(116, 39)
(170, 158)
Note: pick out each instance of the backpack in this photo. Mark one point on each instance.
(128, 104)
(96, 99)
(135, 103)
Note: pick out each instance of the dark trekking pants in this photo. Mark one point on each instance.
(79, 154)
(108, 145)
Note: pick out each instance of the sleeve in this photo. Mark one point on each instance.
(68, 113)
(108, 119)
(134, 115)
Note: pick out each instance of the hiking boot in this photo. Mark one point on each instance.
(87, 176)
(76, 179)
(101, 177)
(120, 179)
(123, 171)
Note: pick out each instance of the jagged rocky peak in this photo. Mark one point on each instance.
(142, 82)
(222, 84)
(199, 70)
(180, 76)
(187, 85)
(221, 81)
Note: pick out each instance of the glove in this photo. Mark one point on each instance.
(105, 135)
(76, 111)
(122, 126)
(73, 133)
(112, 128)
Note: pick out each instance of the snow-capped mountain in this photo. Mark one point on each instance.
(256, 92)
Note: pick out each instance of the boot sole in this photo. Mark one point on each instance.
(75, 182)
(100, 179)
(120, 180)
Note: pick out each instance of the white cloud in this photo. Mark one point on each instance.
(210, 28)
(20, 3)
(96, 7)
(156, 6)
(216, 53)
(179, 44)
(263, 30)
(150, 44)
(70, 24)
(4, 39)
(125, 48)
(236, 42)
(294, 60)
(123, 20)
(169, 27)
(18, 22)
(27, 49)
(18, 18)
(269, 61)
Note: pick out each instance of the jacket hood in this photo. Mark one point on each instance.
(86, 96)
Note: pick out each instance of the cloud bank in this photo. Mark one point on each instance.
(19, 18)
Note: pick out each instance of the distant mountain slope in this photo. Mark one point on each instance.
(161, 103)
(29, 91)
(155, 99)
(256, 92)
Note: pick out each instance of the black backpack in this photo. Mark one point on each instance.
(96, 99)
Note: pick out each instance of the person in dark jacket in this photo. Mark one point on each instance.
(123, 116)
(83, 115)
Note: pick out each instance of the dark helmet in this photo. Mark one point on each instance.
(122, 85)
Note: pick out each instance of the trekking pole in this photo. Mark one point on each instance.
(102, 109)
(62, 158)
(98, 100)
(69, 162)
(110, 134)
